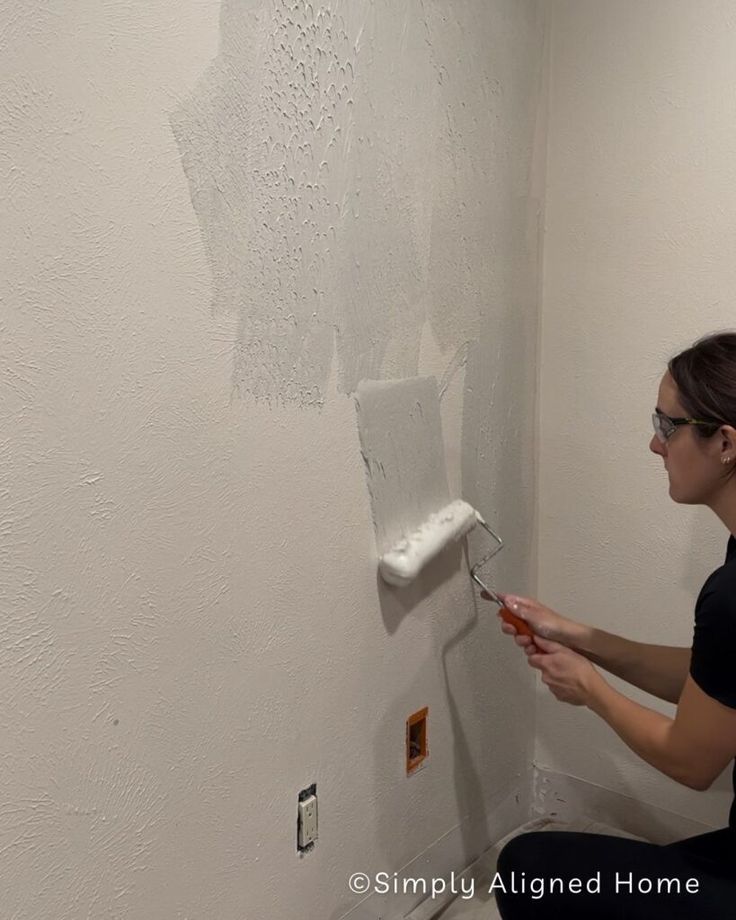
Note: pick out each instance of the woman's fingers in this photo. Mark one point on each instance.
(548, 645)
(520, 639)
(524, 642)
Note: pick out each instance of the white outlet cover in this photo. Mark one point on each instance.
(307, 820)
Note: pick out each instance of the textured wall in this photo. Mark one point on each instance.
(638, 263)
(216, 221)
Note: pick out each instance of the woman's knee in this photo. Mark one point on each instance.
(522, 852)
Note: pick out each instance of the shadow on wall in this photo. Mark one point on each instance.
(492, 394)
(396, 603)
(470, 789)
(403, 452)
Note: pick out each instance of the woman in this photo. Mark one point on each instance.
(695, 435)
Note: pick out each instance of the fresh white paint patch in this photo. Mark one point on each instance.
(308, 173)
(401, 442)
(341, 161)
(260, 139)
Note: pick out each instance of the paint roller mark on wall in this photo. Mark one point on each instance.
(459, 360)
(401, 442)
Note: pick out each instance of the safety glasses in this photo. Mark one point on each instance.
(665, 426)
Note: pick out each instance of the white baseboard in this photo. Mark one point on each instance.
(542, 796)
(568, 798)
(452, 853)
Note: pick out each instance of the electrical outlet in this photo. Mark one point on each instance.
(307, 818)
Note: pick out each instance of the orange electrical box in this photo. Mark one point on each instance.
(417, 749)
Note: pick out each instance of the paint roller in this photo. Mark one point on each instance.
(405, 560)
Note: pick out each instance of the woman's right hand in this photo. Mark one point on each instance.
(542, 620)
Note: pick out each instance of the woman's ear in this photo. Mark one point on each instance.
(728, 438)
(728, 448)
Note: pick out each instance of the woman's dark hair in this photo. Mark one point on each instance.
(705, 375)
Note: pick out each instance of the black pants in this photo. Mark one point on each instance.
(619, 877)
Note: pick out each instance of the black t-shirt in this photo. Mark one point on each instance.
(713, 660)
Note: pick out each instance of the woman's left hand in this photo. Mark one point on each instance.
(569, 675)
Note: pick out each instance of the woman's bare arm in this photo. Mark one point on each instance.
(657, 669)
(694, 748)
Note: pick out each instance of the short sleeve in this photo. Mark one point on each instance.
(713, 660)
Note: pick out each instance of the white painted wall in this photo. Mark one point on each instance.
(638, 263)
(191, 629)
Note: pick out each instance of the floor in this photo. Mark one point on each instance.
(483, 906)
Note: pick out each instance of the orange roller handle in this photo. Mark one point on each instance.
(521, 625)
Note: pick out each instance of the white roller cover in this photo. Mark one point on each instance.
(403, 562)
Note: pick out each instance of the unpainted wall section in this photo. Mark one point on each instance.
(638, 263)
